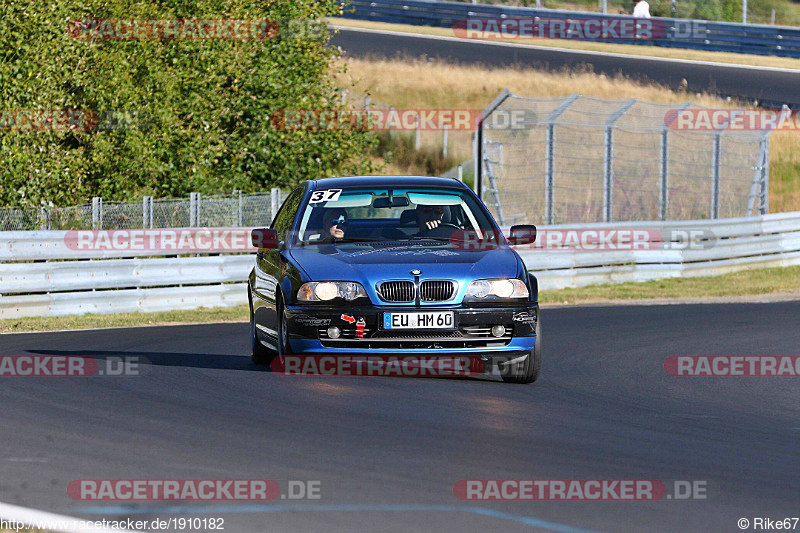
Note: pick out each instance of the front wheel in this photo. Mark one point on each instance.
(526, 371)
(283, 332)
(259, 354)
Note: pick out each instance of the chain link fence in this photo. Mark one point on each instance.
(234, 210)
(579, 159)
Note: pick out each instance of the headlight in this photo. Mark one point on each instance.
(315, 291)
(500, 288)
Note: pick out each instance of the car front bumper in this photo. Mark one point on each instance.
(362, 332)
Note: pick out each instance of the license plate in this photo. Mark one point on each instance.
(419, 320)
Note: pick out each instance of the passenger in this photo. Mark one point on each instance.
(334, 223)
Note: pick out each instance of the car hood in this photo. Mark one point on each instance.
(369, 264)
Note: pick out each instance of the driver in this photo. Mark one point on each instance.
(429, 217)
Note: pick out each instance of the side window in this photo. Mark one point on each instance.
(285, 217)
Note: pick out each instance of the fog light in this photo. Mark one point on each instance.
(334, 332)
(498, 331)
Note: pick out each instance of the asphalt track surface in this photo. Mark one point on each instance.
(770, 86)
(388, 450)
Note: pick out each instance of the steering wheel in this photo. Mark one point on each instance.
(443, 230)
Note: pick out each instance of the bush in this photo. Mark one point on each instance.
(201, 108)
(401, 152)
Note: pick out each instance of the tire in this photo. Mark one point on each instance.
(283, 332)
(259, 354)
(528, 370)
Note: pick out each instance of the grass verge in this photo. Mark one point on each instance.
(754, 282)
(590, 46)
(165, 318)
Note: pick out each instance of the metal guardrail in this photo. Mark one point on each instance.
(123, 301)
(61, 281)
(680, 33)
(736, 244)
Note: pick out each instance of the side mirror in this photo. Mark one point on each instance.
(264, 238)
(522, 234)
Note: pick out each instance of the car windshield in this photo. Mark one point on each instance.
(392, 214)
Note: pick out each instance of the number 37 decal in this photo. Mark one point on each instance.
(330, 195)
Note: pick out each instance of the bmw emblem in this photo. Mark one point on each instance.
(416, 272)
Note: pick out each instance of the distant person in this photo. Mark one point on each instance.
(641, 9)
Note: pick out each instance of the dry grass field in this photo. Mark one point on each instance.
(414, 83)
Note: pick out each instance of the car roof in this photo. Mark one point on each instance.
(387, 181)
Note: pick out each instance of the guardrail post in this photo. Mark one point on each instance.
(479, 140)
(97, 212)
(147, 212)
(275, 203)
(550, 156)
(664, 194)
(367, 102)
(194, 210)
(460, 173)
(390, 122)
(763, 204)
(608, 159)
(549, 172)
(44, 218)
(239, 214)
(715, 162)
(492, 177)
(608, 155)
(762, 159)
(664, 189)
(444, 142)
(476, 154)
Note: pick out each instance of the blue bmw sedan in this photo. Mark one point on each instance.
(393, 265)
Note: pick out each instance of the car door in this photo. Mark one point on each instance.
(272, 266)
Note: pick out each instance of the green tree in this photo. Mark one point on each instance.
(200, 109)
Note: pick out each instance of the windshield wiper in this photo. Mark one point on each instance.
(437, 239)
(354, 240)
